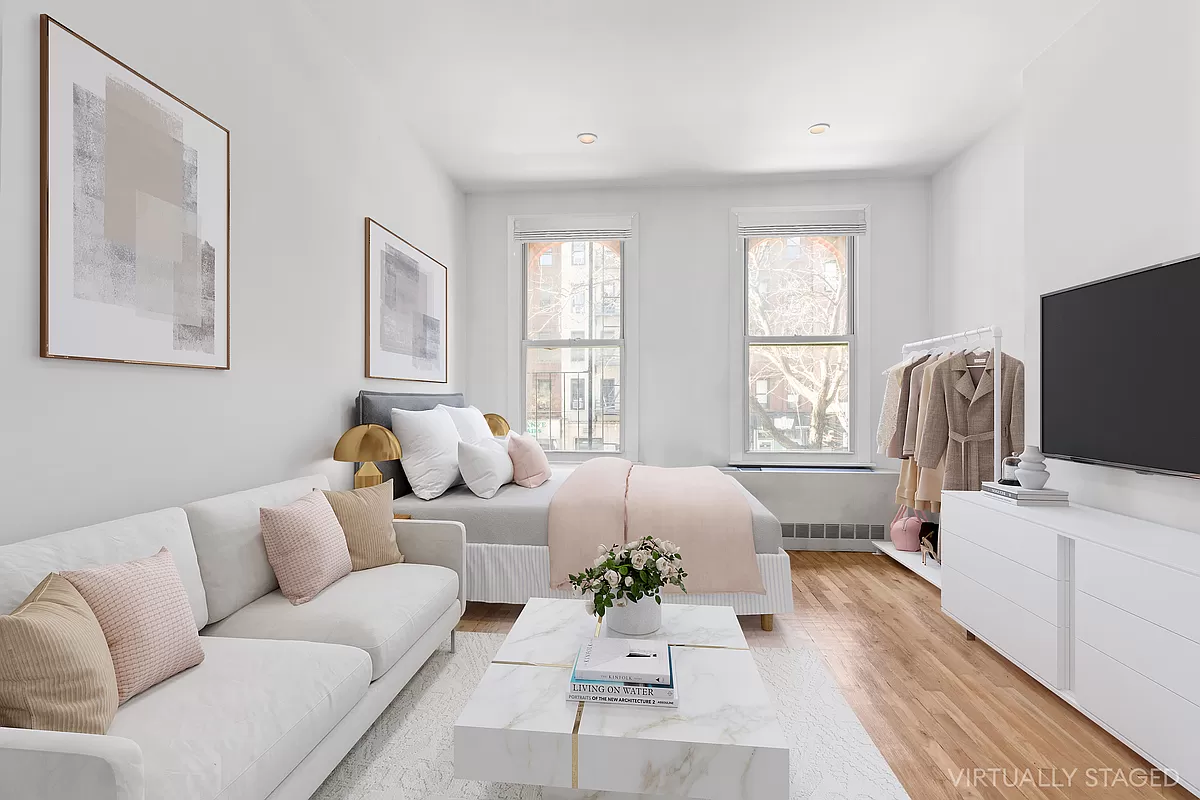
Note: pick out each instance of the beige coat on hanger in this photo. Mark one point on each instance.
(958, 421)
(929, 481)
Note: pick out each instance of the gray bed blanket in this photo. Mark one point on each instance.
(517, 515)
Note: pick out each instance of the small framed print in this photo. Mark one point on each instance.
(406, 309)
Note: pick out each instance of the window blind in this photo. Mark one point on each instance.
(572, 228)
(802, 222)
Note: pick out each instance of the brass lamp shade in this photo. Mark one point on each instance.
(367, 444)
(497, 424)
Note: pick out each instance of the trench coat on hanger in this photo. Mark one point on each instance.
(928, 495)
(959, 425)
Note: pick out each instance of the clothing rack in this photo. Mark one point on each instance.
(966, 336)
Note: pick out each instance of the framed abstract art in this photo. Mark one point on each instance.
(135, 215)
(406, 309)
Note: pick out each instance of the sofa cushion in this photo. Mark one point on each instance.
(55, 670)
(366, 518)
(236, 725)
(382, 611)
(143, 610)
(24, 565)
(229, 545)
(305, 545)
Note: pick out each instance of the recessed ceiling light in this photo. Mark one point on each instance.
(587, 138)
(819, 128)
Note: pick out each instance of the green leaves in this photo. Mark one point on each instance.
(634, 582)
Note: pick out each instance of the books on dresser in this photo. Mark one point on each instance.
(1020, 496)
(622, 691)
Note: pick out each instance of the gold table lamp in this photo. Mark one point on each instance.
(497, 424)
(367, 444)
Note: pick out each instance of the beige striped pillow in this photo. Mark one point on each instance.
(144, 612)
(56, 673)
(305, 546)
(366, 519)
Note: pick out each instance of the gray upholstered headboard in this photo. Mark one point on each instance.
(376, 407)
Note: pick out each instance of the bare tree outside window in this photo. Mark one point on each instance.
(798, 331)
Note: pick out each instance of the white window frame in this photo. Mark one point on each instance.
(518, 345)
(860, 437)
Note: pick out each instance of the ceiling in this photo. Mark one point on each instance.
(695, 90)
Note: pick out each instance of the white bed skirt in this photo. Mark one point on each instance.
(513, 573)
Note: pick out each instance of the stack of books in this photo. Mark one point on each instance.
(1020, 496)
(625, 671)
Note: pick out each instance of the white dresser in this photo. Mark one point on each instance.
(1103, 609)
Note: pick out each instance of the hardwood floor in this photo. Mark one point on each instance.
(934, 703)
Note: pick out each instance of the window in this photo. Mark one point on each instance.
(578, 394)
(608, 393)
(573, 337)
(797, 282)
(543, 391)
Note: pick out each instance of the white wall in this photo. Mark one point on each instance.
(977, 230)
(684, 254)
(315, 148)
(1112, 183)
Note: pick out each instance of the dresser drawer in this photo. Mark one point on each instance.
(1164, 657)
(1022, 636)
(1162, 724)
(1167, 597)
(1023, 542)
(1028, 588)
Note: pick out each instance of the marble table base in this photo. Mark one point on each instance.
(722, 742)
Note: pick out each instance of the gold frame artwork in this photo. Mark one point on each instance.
(370, 370)
(45, 350)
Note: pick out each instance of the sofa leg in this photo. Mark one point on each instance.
(452, 641)
(767, 621)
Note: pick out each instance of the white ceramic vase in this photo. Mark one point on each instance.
(634, 619)
(1032, 472)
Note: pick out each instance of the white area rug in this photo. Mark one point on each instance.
(409, 753)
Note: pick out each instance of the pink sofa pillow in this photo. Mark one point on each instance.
(531, 468)
(305, 545)
(144, 612)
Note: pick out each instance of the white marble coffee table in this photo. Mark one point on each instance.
(722, 743)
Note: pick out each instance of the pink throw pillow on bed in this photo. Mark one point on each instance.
(531, 468)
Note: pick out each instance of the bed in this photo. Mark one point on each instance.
(508, 560)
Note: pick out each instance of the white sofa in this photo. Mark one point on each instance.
(284, 691)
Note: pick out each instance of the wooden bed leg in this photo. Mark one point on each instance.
(767, 621)
(970, 636)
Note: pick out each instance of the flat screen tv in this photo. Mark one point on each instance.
(1121, 371)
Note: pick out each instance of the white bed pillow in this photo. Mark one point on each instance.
(472, 427)
(485, 466)
(428, 450)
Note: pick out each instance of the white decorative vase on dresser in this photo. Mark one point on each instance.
(1031, 472)
(635, 619)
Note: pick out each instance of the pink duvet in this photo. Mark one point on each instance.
(612, 501)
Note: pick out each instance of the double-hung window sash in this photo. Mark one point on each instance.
(573, 336)
(795, 386)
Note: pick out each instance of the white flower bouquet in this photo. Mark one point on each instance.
(630, 571)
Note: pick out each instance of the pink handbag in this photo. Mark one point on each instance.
(906, 532)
